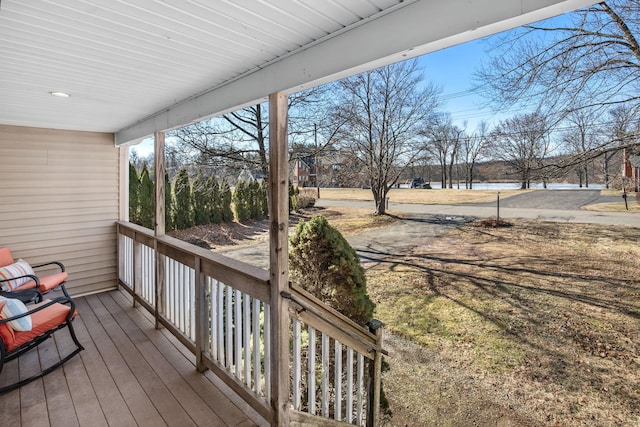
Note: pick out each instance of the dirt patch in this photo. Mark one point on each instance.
(256, 232)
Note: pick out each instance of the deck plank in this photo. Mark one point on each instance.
(84, 398)
(191, 401)
(114, 408)
(136, 400)
(59, 404)
(171, 411)
(183, 362)
(32, 398)
(9, 402)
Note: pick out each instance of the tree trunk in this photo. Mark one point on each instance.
(606, 171)
(586, 176)
(379, 199)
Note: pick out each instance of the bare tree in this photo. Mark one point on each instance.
(589, 57)
(382, 111)
(523, 143)
(472, 147)
(443, 140)
(241, 138)
(580, 137)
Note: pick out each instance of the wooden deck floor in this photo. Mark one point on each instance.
(129, 374)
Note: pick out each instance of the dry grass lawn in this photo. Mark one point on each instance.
(632, 205)
(530, 325)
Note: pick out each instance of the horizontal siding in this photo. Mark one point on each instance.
(59, 200)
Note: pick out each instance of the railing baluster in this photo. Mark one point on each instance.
(246, 311)
(297, 365)
(182, 285)
(257, 371)
(191, 304)
(174, 290)
(213, 319)
(325, 375)
(360, 389)
(238, 332)
(228, 314)
(267, 352)
(349, 402)
(311, 376)
(338, 381)
(220, 323)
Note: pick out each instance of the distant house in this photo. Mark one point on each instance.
(304, 172)
(631, 168)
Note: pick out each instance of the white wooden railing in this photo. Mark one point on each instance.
(219, 308)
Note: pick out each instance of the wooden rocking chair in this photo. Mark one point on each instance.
(46, 318)
(20, 282)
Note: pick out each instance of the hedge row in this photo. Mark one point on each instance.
(203, 201)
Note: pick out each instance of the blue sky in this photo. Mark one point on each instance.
(453, 69)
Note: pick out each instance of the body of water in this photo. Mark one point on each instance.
(515, 186)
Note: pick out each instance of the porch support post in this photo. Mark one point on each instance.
(278, 256)
(159, 222)
(159, 185)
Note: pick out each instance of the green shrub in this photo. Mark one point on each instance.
(146, 198)
(184, 204)
(134, 195)
(304, 202)
(225, 198)
(201, 200)
(264, 200)
(215, 207)
(169, 207)
(322, 262)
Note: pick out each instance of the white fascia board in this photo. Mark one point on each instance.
(410, 30)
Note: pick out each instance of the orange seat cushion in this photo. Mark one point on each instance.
(5, 257)
(43, 321)
(46, 283)
(6, 332)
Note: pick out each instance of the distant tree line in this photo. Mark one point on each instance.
(189, 203)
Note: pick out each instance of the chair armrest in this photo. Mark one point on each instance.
(58, 263)
(31, 276)
(59, 300)
(24, 295)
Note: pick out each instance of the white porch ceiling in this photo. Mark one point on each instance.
(136, 66)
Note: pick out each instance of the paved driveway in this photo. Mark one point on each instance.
(554, 199)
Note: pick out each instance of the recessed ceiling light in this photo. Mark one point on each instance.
(60, 94)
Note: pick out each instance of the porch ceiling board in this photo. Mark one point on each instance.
(135, 67)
